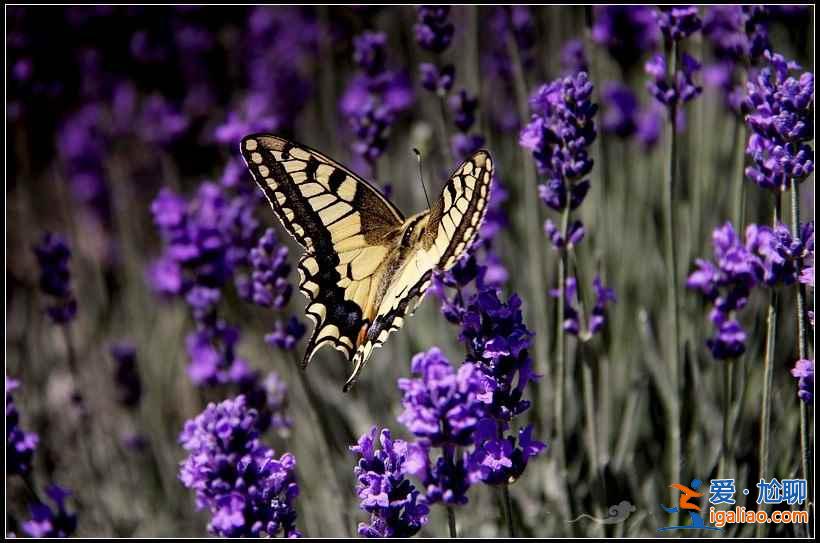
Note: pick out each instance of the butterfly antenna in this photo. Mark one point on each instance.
(421, 177)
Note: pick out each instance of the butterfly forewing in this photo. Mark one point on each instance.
(345, 225)
(451, 227)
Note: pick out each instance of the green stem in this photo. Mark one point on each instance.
(561, 369)
(768, 375)
(674, 431)
(803, 349)
(451, 521)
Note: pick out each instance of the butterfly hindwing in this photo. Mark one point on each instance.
(450, 228)
(345, 225)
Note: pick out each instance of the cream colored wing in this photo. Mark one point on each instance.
(345, 225)
(451, 227)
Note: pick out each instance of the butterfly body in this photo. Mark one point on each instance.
(365, 265)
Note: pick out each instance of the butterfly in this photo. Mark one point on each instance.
(365, 265)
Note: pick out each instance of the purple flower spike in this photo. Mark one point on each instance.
(626, 32)
(433, 30)
(803, 371)
(396, 508)
(678, 22)
(443, 404)
(46, 522)
(501, 460)
(781, 109)
(248, 491)
(20, 445)
(53, 255)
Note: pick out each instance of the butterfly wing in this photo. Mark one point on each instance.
(451, 227)
(345, 225)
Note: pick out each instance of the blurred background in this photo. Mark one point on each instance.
(119, 119)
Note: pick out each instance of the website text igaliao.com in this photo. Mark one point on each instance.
(739, 515)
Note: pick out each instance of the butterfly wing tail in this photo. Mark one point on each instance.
(359, 362)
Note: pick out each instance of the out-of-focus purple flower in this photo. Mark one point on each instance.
(46, 522)
(159, 122)
(573, 58)
(371, 103)
(603, 297)
(286, 336)
(464, 145)
(442, 405)
(20, 445)
(53, 254)
(678, 22)
(572, 320)
(433, 29)
(463, 107)
(396, 508)
(213, 360)
(269, 397)
(626, 32)
(650, 124)
(664, 91)
(248, 491)
(269, 279)
(435, 79)
(803, 371)
(369, 52)
(206, 239)
(575, 234)
(620, 110)
(126, 375)
(501, 460)
(781, 109)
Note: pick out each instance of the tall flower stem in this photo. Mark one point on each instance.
(674, 430)
(505, 494)
(803, 348)
(534, 246)
(561, 362)
(451, 521)
(725, 446)
(768, 374)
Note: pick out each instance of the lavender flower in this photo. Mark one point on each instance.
(435, 79)
(803, 371)
(562, 128)
(46, 522)
(620, 110)
(603, 297)
(727, 283)
(248, 491)
(269, 285)
(374, 98)
(678, 22)
(442, 405)
(501, 460)
(286, 336)
(213, 360)
(672, 95)
(53, 255)
(498, 344)
(20, 445)
(781, 119)
(396, 508)
(626, 32)
(573, 58)
(446, 480)
(126, 376)
(572, 320)
(433, 30)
